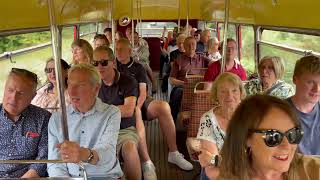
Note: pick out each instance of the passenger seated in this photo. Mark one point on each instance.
(227, 91)
(305, 102)
(81, 52)
(93, 130)
(213, 50)
(24, 127)
(231, 64)
(47, 96)
(121, 90)
(202, 44)
(150, 109)
(261, 143)
(184, 63)
(108, 33)
(100, 40)
(271, 70)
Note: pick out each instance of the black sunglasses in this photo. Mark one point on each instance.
(102, 62)
(48, 70)
(274, 137)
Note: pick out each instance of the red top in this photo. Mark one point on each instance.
(214, 70)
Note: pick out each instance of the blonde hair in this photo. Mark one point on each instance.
(277, 63)
(91, 70)
(212, 42)
(229, 77)
(85, 46)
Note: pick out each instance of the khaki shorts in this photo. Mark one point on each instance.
(125, 135)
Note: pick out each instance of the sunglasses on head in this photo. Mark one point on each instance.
(102, 62)
(48, 70)
(274, 137)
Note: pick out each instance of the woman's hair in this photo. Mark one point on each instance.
(249, 114)
(103, 37)
(277, 63)
(227, 77)
(64, 66)
(85, 46)
(212, 42)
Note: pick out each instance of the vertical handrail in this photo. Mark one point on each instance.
(187, 24)
(113, 28)
(226, 21)
(132, 25)
(179, 16)
(57, 56)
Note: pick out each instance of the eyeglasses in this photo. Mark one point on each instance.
(102, 62)
(274, 137)
(25, 73)
(48, 70)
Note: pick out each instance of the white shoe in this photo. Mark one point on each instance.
(149, 171)
(178, 159)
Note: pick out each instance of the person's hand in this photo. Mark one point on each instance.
(205, 158)
(69, 151)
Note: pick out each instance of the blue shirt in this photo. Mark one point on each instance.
(25, 139)
(310, 123)
(96, 129)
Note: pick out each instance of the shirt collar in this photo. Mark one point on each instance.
(128, 65)
(97, 107)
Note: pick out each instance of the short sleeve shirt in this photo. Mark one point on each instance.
(210, 130)
(183, 64)
(134, 70)
(214, 71)
(123, 86)
(310, 123)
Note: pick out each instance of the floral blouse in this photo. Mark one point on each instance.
(47, 100)
(210, 130)
(280, 89)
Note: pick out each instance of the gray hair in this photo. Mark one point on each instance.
(94, 75)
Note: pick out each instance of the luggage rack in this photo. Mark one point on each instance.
(81, 165)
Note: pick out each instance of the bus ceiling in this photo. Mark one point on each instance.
(17, 14)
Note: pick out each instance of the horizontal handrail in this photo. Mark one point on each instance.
(289, 49)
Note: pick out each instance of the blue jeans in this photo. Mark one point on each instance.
(203, 175)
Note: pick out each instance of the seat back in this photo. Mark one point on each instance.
(201, 103)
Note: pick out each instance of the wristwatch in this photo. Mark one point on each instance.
(214, 161)
(90, 157)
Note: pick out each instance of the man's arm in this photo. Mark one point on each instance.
(175, 82)
(31, 173)
(142, 94)
(127, 109)
(55, 169)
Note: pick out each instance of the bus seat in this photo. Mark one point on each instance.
(201, 103)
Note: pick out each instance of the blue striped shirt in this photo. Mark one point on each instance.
(96, 129)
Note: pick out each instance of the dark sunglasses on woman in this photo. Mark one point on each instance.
(273, 137)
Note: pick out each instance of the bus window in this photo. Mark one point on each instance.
(87, 32)
(154, 29)
(247, 50)
(231, 31)
(67, 39)
(295, 40)
(29, 51)
(289, 60)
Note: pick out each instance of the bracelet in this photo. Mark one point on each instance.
(215, 160)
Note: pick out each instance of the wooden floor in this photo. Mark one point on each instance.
(158, 150)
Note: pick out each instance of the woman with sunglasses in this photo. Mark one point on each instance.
(47, 96)
(82, 51)
(227, 92)
(261, 143)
